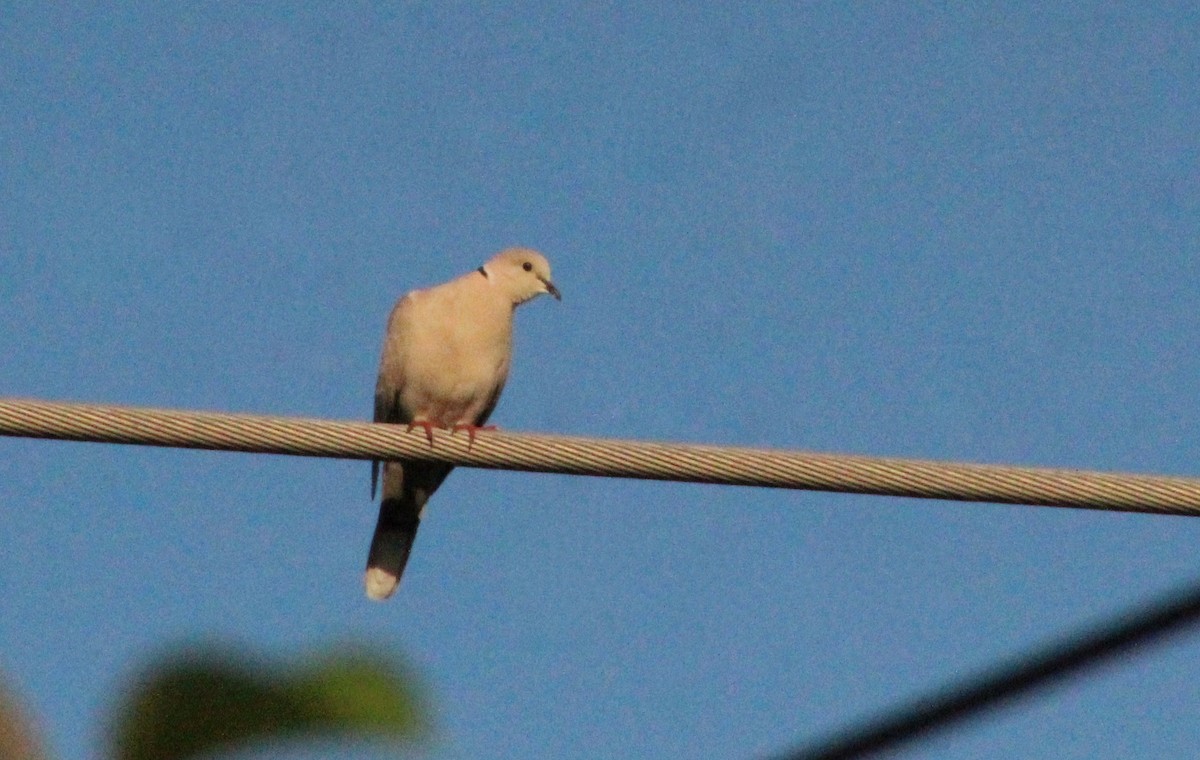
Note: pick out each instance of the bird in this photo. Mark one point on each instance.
(445, 359)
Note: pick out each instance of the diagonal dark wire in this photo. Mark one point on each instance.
(1008, 681)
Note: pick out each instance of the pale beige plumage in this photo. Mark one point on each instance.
(445, 359)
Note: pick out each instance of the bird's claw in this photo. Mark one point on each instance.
(471, 431)
(428, 429)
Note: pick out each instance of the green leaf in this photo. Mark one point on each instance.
(198, 702)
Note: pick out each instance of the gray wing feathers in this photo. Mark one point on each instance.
(387, 409)
(389, 385)
(491, 404)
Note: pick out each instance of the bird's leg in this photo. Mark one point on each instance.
(471, 431)
(423, 424)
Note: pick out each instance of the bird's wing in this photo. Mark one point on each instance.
(492, 401)
(389, 385)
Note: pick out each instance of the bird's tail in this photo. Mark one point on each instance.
(390, 547)
(406, 488)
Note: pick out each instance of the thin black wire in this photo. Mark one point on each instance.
(1008, 681)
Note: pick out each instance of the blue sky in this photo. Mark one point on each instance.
(904, 229)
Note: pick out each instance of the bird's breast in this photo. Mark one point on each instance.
(456, 368)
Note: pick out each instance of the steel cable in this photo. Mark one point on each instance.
(603, 457)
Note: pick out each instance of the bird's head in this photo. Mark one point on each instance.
(523, 273)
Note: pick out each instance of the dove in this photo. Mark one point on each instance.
(445, 359)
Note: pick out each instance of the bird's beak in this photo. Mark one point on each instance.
(552, 290)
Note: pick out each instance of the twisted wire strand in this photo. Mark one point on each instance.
(603, 457)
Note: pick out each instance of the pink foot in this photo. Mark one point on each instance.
(428, 429)
(471, 431)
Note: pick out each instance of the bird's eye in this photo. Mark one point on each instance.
(527, 266)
